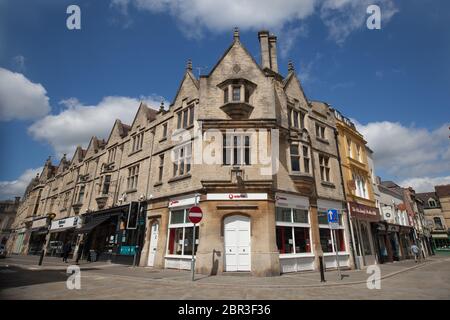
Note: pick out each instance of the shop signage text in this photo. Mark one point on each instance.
(289, 201)
(65, 223)
(236, 196)
(361, 211)
(39, 223)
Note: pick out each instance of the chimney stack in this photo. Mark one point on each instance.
(263, 37)
(273, 53)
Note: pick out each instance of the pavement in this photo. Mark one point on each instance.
(21, 278)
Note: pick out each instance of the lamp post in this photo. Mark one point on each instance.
(50, 217)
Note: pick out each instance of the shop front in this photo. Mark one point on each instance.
(393, 241)
(39, 229)
(293, 233)
(61, 232)
(332, 239)
(361, 217)
(109, 235)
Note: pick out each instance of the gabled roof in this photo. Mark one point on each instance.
(292, 76)
(78, 155)
(120, 128)
(236, 42)
(443, 191)
(149, 113)
(187, 76)
(426, 196)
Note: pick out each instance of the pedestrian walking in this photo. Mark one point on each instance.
(415, 250)
(67, 248)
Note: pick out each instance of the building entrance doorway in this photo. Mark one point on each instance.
(153, 244)
(237, 243)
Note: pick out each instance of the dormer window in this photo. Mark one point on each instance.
(432, 203)
(236, 94)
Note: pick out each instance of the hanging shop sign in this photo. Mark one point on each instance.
(387, 212)
(236, 196)
(291, 201)
(393, 228)
(39, 223)
(66, 223)
(361, 211)
(183, 201)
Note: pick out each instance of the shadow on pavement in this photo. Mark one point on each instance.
(12, 276)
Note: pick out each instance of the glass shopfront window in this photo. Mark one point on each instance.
(327, 237)
(292, 231)
(180, 233)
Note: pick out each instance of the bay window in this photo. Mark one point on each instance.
(292, 231)
(181, 233)
(297, 151)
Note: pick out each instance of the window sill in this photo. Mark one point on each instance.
(157, 184)
(134, 152)
(296, 255)
(323, 140)
(179, 130)
(179, 178)
(300, 174)
(131, 190)
(163, 139)
(328, 184)
(333, 254)
(175, 256)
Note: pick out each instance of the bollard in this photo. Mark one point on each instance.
(322, 272)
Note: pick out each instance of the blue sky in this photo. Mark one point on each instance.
(394, 82)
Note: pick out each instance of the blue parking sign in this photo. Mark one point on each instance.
(333, 216)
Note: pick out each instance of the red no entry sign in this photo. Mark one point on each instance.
(195, 214)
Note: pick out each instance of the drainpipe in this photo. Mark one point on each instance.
(345, 199)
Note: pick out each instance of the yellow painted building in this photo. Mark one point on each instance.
(361, 203)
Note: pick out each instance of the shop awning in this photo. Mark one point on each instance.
(91, 225)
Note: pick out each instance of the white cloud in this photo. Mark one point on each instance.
(16, 188)
(341, 17)
(425, 184)
(409, 152)
(77, 123)
(20, 98)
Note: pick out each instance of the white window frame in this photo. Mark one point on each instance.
(327, 226)
(292, 225)
(324, 168)
(183, 225)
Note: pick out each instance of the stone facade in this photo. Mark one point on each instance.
(243, 142)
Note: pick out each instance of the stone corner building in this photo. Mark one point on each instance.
(267, 217)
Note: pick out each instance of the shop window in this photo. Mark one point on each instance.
(365, 239)
(180, 234)
(292, 231)
(236, 149)
(327, 237)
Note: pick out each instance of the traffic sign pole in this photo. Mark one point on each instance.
(193, 254)
(337, 253)
(194, 219)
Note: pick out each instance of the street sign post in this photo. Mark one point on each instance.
(333, 222)
(195, 216)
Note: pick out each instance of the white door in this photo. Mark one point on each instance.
(153, 244)
(237, 243)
